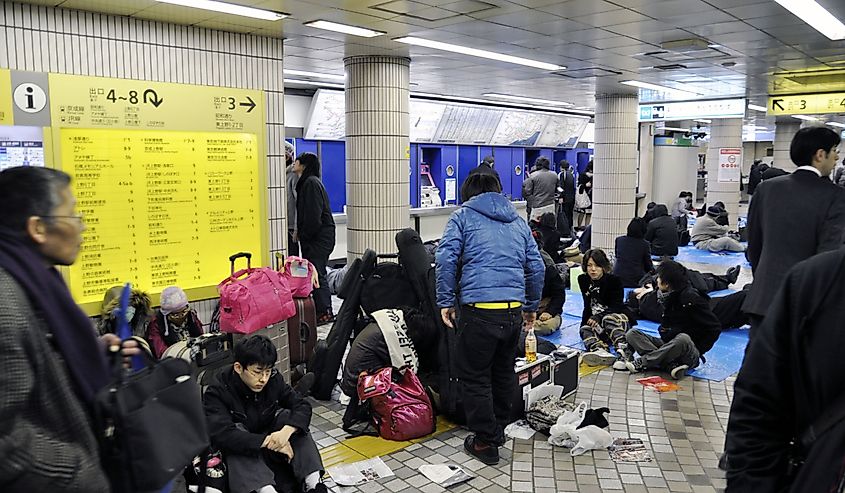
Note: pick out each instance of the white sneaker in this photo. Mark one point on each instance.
(679, 372)
(634, 366)
(619, 365)
(599, 357)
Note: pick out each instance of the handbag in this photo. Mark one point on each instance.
(300, 275)
(150, 424)
(582, 200)
(401, 409)
(250, 303)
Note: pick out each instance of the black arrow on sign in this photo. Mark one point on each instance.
(776, 104)
(250, 104)
(153, 98)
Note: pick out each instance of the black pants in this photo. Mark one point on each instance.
(293, 247)
(568, 211)
(487, 341)
(728, 309)
(320, 258)
(755, 321)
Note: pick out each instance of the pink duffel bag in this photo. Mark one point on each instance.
(299, 274)
(400, 407)
(250, 303)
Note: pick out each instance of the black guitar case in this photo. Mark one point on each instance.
(418, 267)
(329, 353)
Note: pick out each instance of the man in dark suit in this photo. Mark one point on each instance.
(794, 217)
(566, 189)
(486, 168)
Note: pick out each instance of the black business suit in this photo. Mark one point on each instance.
(791, 218)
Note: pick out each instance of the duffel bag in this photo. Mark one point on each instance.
(260, 299)
(401, 409)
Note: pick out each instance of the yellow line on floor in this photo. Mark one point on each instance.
(368, 447)
(585, 369)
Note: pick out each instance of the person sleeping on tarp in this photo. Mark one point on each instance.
(403, 337)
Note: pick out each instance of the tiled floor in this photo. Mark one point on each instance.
(684, 431)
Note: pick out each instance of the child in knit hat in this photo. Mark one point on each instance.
(174, 321)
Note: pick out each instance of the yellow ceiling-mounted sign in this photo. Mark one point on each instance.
(807, 104)
(5, 97)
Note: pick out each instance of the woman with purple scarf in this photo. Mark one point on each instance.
(51, 361)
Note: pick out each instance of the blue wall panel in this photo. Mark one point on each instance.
(518, 159)
(303, 145)
(415, 175)
(333, 159)
(468, 159)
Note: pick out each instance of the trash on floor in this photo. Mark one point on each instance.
(445, 475)
(519, 429)
(358, 473)
(565, 433)
(629, 450)
(659, 384)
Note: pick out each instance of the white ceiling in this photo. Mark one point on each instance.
(762, 45)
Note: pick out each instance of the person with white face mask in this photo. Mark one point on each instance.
(138, 312)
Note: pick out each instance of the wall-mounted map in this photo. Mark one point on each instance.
(468, 125)
(327, 118)
(519, 128)
(563, 131)
(424, 120)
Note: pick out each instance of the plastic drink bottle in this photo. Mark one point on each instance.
(531, 346)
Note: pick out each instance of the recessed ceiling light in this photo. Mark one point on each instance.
(836, 124)
(704, 121)
(805, 118)
(816, 16)
(757, 108)
(229, 8)
(313, 83)
(304, 73)
(655, 87)
(464, 50)
(345, 29)
(527, 99)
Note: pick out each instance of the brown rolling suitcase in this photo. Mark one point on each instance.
(302, 331)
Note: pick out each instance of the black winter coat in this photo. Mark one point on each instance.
(229, 402)
(608, 291)
(662, 233)
(688, 312)
(485, 169)
(566, 181)
(555, 290)
(789, 378)
(633, 260)
(314, 221)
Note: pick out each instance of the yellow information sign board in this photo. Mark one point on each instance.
(162, 208)
(6, 117)
(807, 104)
(170, 179)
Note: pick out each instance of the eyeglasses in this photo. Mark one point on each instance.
(78, 217)
(262, 373)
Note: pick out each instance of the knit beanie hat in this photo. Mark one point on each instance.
(714, 211)
(173, 299)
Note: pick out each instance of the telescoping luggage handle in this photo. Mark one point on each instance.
(238, 255)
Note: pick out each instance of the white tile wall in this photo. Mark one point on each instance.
(377, 178)
(723, 133)
(45, 39)
(784, 132)
(615, 168)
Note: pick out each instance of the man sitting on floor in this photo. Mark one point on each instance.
(553, 297)
(709, 235)
(689, 327)
(261, 425)
(728, 309)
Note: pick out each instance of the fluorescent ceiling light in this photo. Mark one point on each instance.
(703, 121)
(805, 118)
(816, 16)
(676, 129)
(527, 99)
(304, 73)
(229, 8)
(313, 83)
(345, 29)
(437, 45)
(836, 124)
(655, 87)
(461, 99)
(756, 107)
(714, 45)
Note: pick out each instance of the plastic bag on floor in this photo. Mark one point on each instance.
(590, 438)
(562, 433)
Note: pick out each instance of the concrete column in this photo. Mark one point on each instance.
(377, 181)
(646, 131)
(615, 167)
(723, 133)
(785, 129)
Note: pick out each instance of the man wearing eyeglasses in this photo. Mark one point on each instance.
(51, 362)
(261, 425)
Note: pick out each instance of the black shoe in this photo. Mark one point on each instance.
(488, 454)
(723, 462)
(303, 386)
(320, 488)
(733, 274)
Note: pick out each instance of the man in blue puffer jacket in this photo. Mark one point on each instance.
(489, 268)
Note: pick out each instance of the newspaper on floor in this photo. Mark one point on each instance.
(519, 429)
(445, 474)
(629, 450)
(358, 473)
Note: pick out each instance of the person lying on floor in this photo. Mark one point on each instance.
(605, 319)
(553, 297)
(689, 328)
(707, 234)
(728, 309)
(261, 425)
(703, 282)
